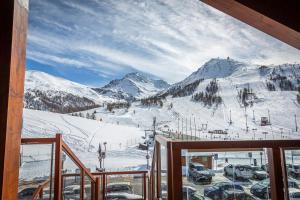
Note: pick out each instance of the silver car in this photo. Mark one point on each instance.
(238, 171)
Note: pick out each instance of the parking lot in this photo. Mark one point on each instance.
(220, 177)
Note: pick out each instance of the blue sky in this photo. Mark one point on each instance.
(95, 41)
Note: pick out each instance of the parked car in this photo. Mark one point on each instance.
(73, 192)
(262, 189)
(216, 191)
(123, 196)
(123, 187)
(265, 167)
(199, 174)
(293, 170)
(237, 195)
(239, 171)
(26, 193)
(259, 173)
(188, 192)
(197, 196)
(294, 194)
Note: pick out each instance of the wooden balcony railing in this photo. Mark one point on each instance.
(98, 187)
(275, 153)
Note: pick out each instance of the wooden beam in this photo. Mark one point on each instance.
(58, 168)
(13, 21)
(285, 11)
(258, 20)
(176, 165)
(97, 189)
(170, 180)
(276, 174)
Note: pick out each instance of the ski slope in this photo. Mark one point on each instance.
(83, 136)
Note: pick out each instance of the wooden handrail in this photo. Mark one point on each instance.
(25, 141)
(39, 191)
(70, 153)
(94, 177)
(95, 174)
(275, 154)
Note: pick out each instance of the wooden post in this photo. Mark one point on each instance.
(41, 193)
(176, 173)
(285, 175)
(158, 170)
(169, 170)
(13, 22)
(104, 186)
(97, 189)
(58, 165)
(144, 186)
(82, 184)
(276, 173)
(92, 194)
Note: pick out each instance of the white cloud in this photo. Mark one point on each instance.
(168, 38)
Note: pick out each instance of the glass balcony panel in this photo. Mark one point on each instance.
(71, 179)
(87, 188)
(125, 186)
(164, 172)
(225, 175)
(292, 161)
(35, 169)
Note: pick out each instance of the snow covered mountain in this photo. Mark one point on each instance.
(49, 93)
(133, 86)
(235, 100)
(286, 76)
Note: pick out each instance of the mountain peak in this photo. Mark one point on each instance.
(218, 68)
(133, 85)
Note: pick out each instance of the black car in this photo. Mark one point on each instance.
(237, 195)
(199, 174)
(259, 173)
(263, 189)
(293, 170)
(26, 193)
(216, 191)
(119, 187)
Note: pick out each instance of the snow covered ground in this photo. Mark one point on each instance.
(83, 136)
(122, 129)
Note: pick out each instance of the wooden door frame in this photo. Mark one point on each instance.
(13, 34)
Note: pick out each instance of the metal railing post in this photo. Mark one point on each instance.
(57, 168)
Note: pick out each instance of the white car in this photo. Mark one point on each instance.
(294, 194)
(123, 187)
(123, 196)
(238, 171)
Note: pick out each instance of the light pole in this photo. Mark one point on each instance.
(104, 154)
(265, 133)
(296, 123)
(281, 132)
(254, 130)
(101, 156)
(148, 156)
